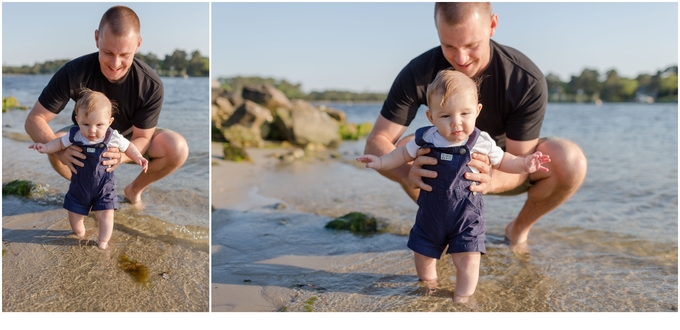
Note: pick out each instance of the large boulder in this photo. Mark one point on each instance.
(215, 89)
(266, 95)
(222, 110)
(243, 128)
(336, 114)
(304, 124)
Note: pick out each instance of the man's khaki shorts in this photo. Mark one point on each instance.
(524, 187)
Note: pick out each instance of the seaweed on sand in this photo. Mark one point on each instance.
(135, 268)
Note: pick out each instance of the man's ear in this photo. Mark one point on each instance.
(494, 24)
(96, 38)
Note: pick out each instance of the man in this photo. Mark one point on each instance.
(513, 92)
(133, 85)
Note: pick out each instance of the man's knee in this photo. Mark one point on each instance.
(568, 162)
(170, 145)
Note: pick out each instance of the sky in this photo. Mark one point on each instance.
(363, 46)
(351, 46)
(38, 32)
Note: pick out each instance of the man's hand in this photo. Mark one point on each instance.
(483, 164)
(70, 157)
(115, 158)
(416, 173)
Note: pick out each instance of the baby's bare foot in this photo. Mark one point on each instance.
(102, 245)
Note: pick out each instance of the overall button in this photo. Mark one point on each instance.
(462, 151)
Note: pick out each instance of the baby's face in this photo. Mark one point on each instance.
(455, 121)
(94, 125)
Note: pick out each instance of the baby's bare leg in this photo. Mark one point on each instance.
(77, 222)
(426, 268)
(467, 274)
(105, 224)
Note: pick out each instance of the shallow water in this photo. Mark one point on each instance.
(612, 247)
(46, 269)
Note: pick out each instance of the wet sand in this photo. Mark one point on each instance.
(271, 252)
(46, 268)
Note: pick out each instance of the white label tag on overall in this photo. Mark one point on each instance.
(446, 156)
(90, 150)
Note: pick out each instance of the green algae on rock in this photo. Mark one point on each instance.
(235, 153)
(355, 222)
(18, 187)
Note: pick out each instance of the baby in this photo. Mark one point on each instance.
(451, 214)
(93, 187)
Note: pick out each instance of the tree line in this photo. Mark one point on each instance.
(294, 91)
(177, 64)
(591, 87)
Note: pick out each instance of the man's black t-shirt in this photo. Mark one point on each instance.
(139, 95)
(513, 93)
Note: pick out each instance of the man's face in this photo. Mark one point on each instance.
(116, 53)
(466, 46)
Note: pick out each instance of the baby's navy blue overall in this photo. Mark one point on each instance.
(450, 213)
(92, 187)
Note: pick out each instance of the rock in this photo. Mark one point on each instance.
(244, 127)
(215, 89)
(235, 153)
(355, 222)
(296, 153)
(222, 109)
(22, 188)
(11, 102)
(353, 131)
(266, 95)
(304, 124)
(242, 136)
(338, 115)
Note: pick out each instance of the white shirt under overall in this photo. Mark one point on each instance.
(484, 145)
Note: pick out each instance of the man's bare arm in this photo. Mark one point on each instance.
(37, 126)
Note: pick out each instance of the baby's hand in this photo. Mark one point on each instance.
(143, 163)
(533, 162)
(371, 161)
(39, 147)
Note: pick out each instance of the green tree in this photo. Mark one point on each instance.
(587, 86)
(198, 66)
(177, 61)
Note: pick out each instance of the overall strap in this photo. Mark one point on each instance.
(107, 137)
(419, 135)
(472, 139)
(72, 133)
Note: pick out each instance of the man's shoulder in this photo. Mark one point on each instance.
(146, 72)
(513, 59)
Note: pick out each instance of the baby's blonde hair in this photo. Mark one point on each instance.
(88, 100)
(449, 82)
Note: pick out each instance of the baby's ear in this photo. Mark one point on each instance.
(110, 121)
(479, 108)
